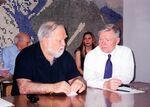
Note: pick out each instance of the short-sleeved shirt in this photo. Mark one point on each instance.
(32, 64)
(9, 56)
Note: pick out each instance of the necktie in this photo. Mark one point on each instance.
(108, 68)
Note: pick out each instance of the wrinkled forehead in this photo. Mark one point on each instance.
(59, 32)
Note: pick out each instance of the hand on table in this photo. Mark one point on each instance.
(62, 87)
(78, 86)
(112, 84)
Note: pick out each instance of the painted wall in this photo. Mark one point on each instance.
(78, 16)
(137, 35)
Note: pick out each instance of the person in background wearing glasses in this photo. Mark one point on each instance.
(10, 53)
(120, 59)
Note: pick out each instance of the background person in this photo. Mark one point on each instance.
(46, 67)
(121, 59)
(10, 53)
(88, 43)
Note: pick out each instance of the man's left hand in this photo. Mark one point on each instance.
(78, 85)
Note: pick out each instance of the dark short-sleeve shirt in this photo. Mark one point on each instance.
(32, 64)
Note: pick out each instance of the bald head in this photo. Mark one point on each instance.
(22, 40)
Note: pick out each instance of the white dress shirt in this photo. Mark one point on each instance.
(94, 66)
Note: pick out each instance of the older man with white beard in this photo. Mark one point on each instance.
(46, 67)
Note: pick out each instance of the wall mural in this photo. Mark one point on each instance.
(78, 16)
(16, 16)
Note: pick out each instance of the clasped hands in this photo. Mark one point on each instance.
(76, 85)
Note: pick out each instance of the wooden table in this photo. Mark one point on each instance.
(91, 98)
(5, 86)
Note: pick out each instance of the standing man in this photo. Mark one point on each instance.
(45, 67)
(10, 53)
(109, 65)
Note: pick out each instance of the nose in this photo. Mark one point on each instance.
(101, 40)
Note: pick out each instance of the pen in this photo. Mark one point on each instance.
(122, 90)
(124, 85)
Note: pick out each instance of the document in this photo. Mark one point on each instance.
(4, 103)
(126, 90)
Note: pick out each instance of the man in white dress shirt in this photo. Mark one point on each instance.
(121, 58)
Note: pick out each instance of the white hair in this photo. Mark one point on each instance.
(109, 27)
(46, 29)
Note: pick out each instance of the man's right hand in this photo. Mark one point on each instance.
(112, 84)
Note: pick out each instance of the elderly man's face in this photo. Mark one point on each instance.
(107, 41)
(56, 43)
(23, 40)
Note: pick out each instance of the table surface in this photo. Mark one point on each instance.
(4, 82)
(90, 98)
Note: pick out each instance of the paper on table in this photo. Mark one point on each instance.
(72, 93)
(131, 90)
(5, 103)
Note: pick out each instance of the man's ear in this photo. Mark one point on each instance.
(15, 40)
(117, 41)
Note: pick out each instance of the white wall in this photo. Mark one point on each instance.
(137, 35)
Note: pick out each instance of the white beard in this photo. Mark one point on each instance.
(56, 54)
